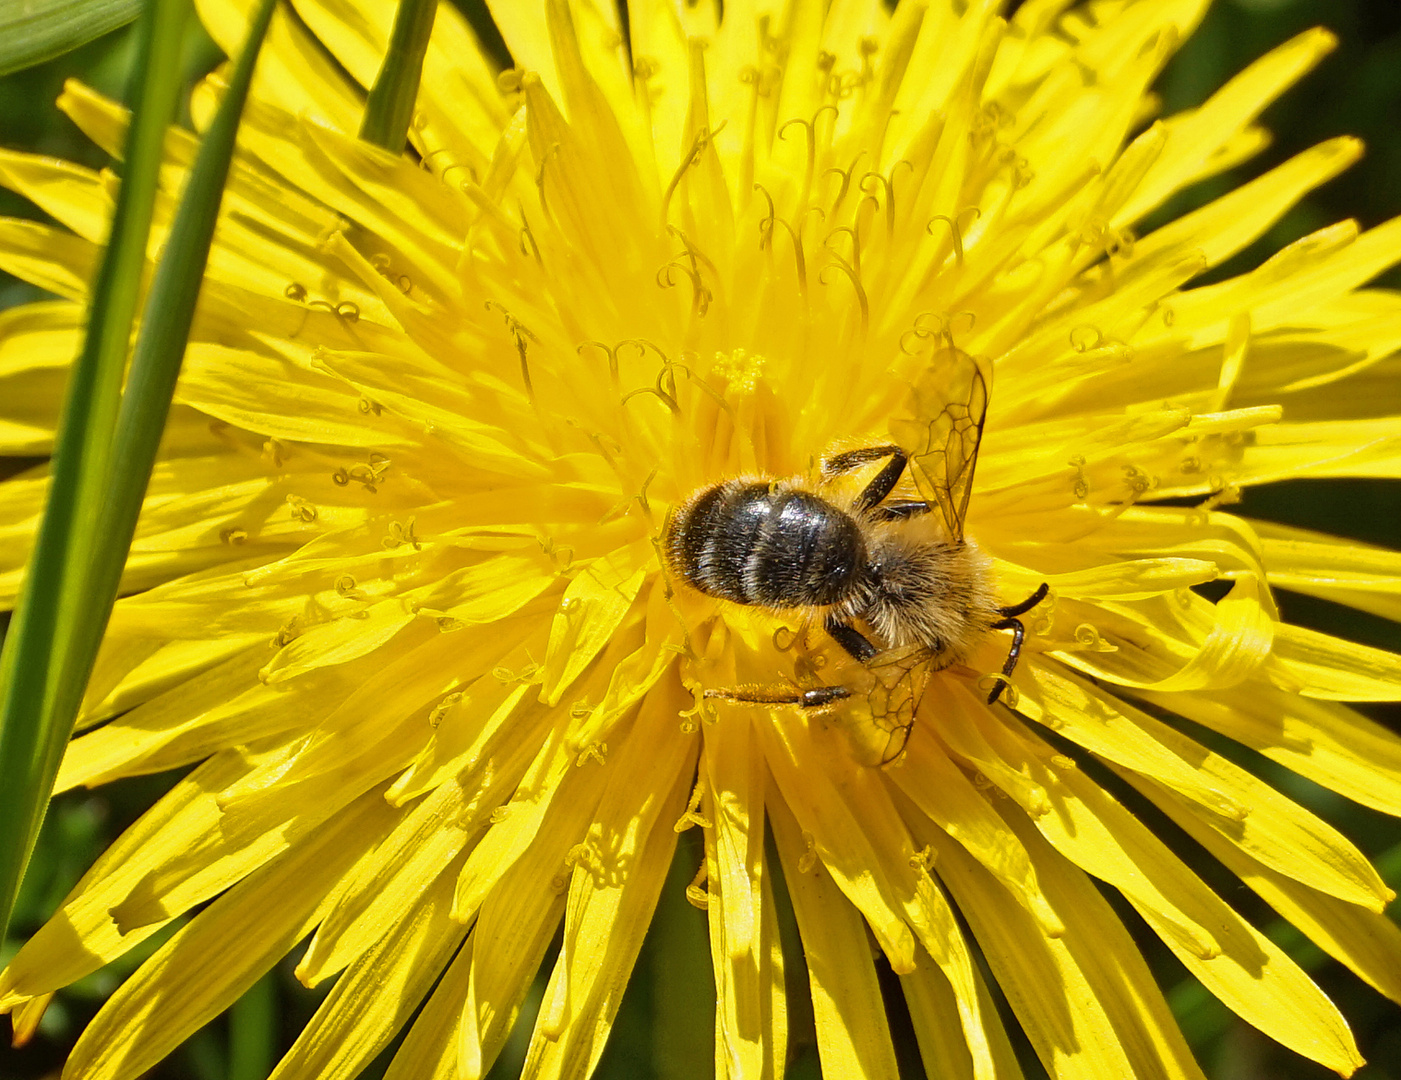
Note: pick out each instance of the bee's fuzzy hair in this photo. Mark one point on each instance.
(926, 591)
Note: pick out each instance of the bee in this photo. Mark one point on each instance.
(897, 569)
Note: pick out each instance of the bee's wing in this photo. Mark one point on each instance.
(942, 430)
(898, 680)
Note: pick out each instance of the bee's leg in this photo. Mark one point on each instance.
(815, 698)
(1013, 610)
(1009, 621)
(882, 484)
(1013, 654)
(845, 635)
(848, 460)
(849, 638)
(900, 509)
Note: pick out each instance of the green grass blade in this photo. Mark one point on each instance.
(71, 588)
(32, 730)
(32, 31)
(155, 366)
(253, 1031)
(160, 344)
(390, 106)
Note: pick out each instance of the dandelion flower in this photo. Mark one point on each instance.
(397, 600)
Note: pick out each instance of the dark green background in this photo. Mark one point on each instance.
(665, 1027)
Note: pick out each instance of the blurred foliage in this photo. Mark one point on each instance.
(39, 30)
(665, 1026)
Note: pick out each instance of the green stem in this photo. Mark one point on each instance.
(33, 728)
(99, 485)
(390, 106)
(252, 1030)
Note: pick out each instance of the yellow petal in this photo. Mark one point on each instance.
(379, 992)
(853, 1037)
(137, 669)
(374, 731)
(951, 801)
(440, 826)
(46, 334)
(733, 788)
(1319, 665)
(83, 934)
(73, 195)
(1222, 539)
(1224, 226)
(1329, 743)
(593, 606)
(434, 400)
(50, 258)
(1336, 569)
(1366, 447)
(1249, 973)
(200, 862)
(429, 1050)
(1368, 942)
(558, 788)
(339, 641)
(1088, 827)
(939, 1030)
(827, 815)
(220, 953)
(751, 1007)
(525, 31)
(1239, 642)
(25, 1018)
(470, 727)
(428, 219)
(963, 730)
(37, 343)
(868, 850)
(634, 675)
(1125, 579)
(1196, 135)
(595, 87)
(389, 882)
(1086, 1000)
(1084, 714)
(1314, 270)
(1279, 833)
(734, 777)
(187, 723)
(660, 60)
(459, 101)
(513, 930)
(617, 876)
(292, 67)
(265, 394)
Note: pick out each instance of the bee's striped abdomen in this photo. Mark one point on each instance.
(754, 542)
